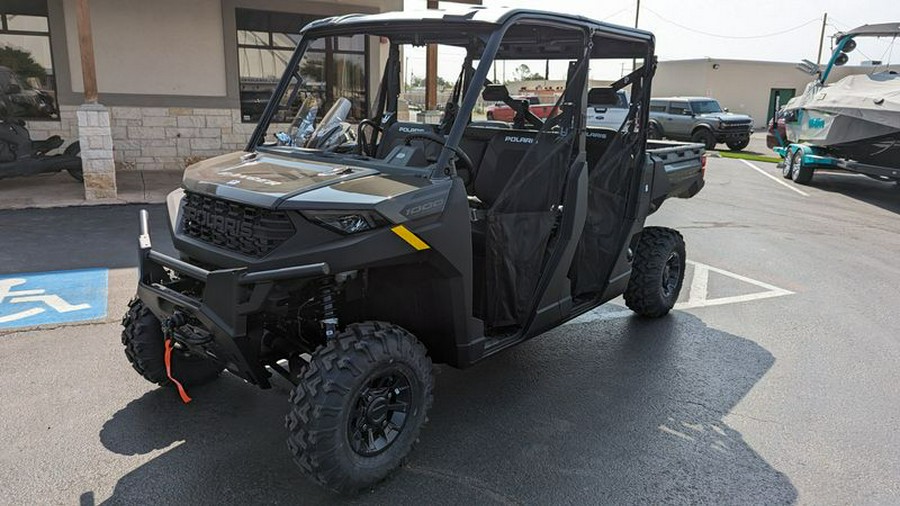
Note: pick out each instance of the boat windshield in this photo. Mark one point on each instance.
(706, 107)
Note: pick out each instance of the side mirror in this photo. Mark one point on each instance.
(688, 112)
(13, 88)
(725, 109)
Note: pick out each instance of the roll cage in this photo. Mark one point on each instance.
(487, 35)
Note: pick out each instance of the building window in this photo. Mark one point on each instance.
(332, 68)
(27, 80)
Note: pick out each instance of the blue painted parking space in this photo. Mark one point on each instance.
(41, 298)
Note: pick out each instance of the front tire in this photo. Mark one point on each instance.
(145, 349)
(738, 144)
(359, 406)
(657, 272)
(787, 166)
(800, 172)
(705, 137)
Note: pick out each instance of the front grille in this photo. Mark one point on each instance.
(244, 229)
(736, 126)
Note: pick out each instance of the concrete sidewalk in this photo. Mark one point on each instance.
(61, 190)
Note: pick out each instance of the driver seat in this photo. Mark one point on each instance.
(396, 134)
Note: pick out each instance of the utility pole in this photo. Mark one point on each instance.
(431, 65)
(86, 46)
(547, 69)
(821, 39)
(637, 17)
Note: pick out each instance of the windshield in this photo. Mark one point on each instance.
(362, 96)
(705, 107)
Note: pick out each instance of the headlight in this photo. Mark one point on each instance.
(347, 222)
(173, 203)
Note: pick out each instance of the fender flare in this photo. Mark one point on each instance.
(702, 126)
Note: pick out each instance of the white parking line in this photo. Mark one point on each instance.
(773, 178)
(698, 294)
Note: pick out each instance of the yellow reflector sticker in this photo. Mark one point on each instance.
(410, 237)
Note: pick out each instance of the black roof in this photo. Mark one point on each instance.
(536, 35)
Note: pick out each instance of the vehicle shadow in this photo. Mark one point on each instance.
(885, 195)
(79, 237)
(618, 412)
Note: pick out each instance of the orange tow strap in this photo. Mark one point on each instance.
(168, 359)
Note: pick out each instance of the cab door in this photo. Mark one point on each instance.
(681, 119)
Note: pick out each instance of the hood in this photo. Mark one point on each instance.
(727, 116)
(263, 179)
(272, 180)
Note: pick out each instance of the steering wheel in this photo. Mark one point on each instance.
(368, 146)
(467, 165)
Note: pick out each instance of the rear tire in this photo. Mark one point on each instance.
(359, 406)
(800, 172)
(145, 349)
(657, 272)
(705, 137)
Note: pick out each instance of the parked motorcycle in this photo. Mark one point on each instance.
(22, 156)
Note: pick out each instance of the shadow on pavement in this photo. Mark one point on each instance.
(885, 195)
(619, 412)
(89, 236)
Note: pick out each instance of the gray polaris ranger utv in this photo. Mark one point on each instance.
(347, 251)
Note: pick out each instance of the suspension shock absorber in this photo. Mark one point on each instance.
(329, 321)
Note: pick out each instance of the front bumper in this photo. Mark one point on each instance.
(732, 134)
(227, 298)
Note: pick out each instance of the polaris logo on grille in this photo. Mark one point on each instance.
(518, 140)
(247, 177)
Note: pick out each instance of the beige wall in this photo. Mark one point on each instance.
(175, 47)
(159, 47)
(740, 85)
(175, 54)
(679, 78)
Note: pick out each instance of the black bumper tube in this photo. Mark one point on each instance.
(228, 297)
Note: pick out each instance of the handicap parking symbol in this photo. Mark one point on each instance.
(52, 297)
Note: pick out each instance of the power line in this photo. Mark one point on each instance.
(718, 35)
(620, 11)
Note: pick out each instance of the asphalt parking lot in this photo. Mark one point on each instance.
(774, 382)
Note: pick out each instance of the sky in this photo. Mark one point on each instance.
(772, 30)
